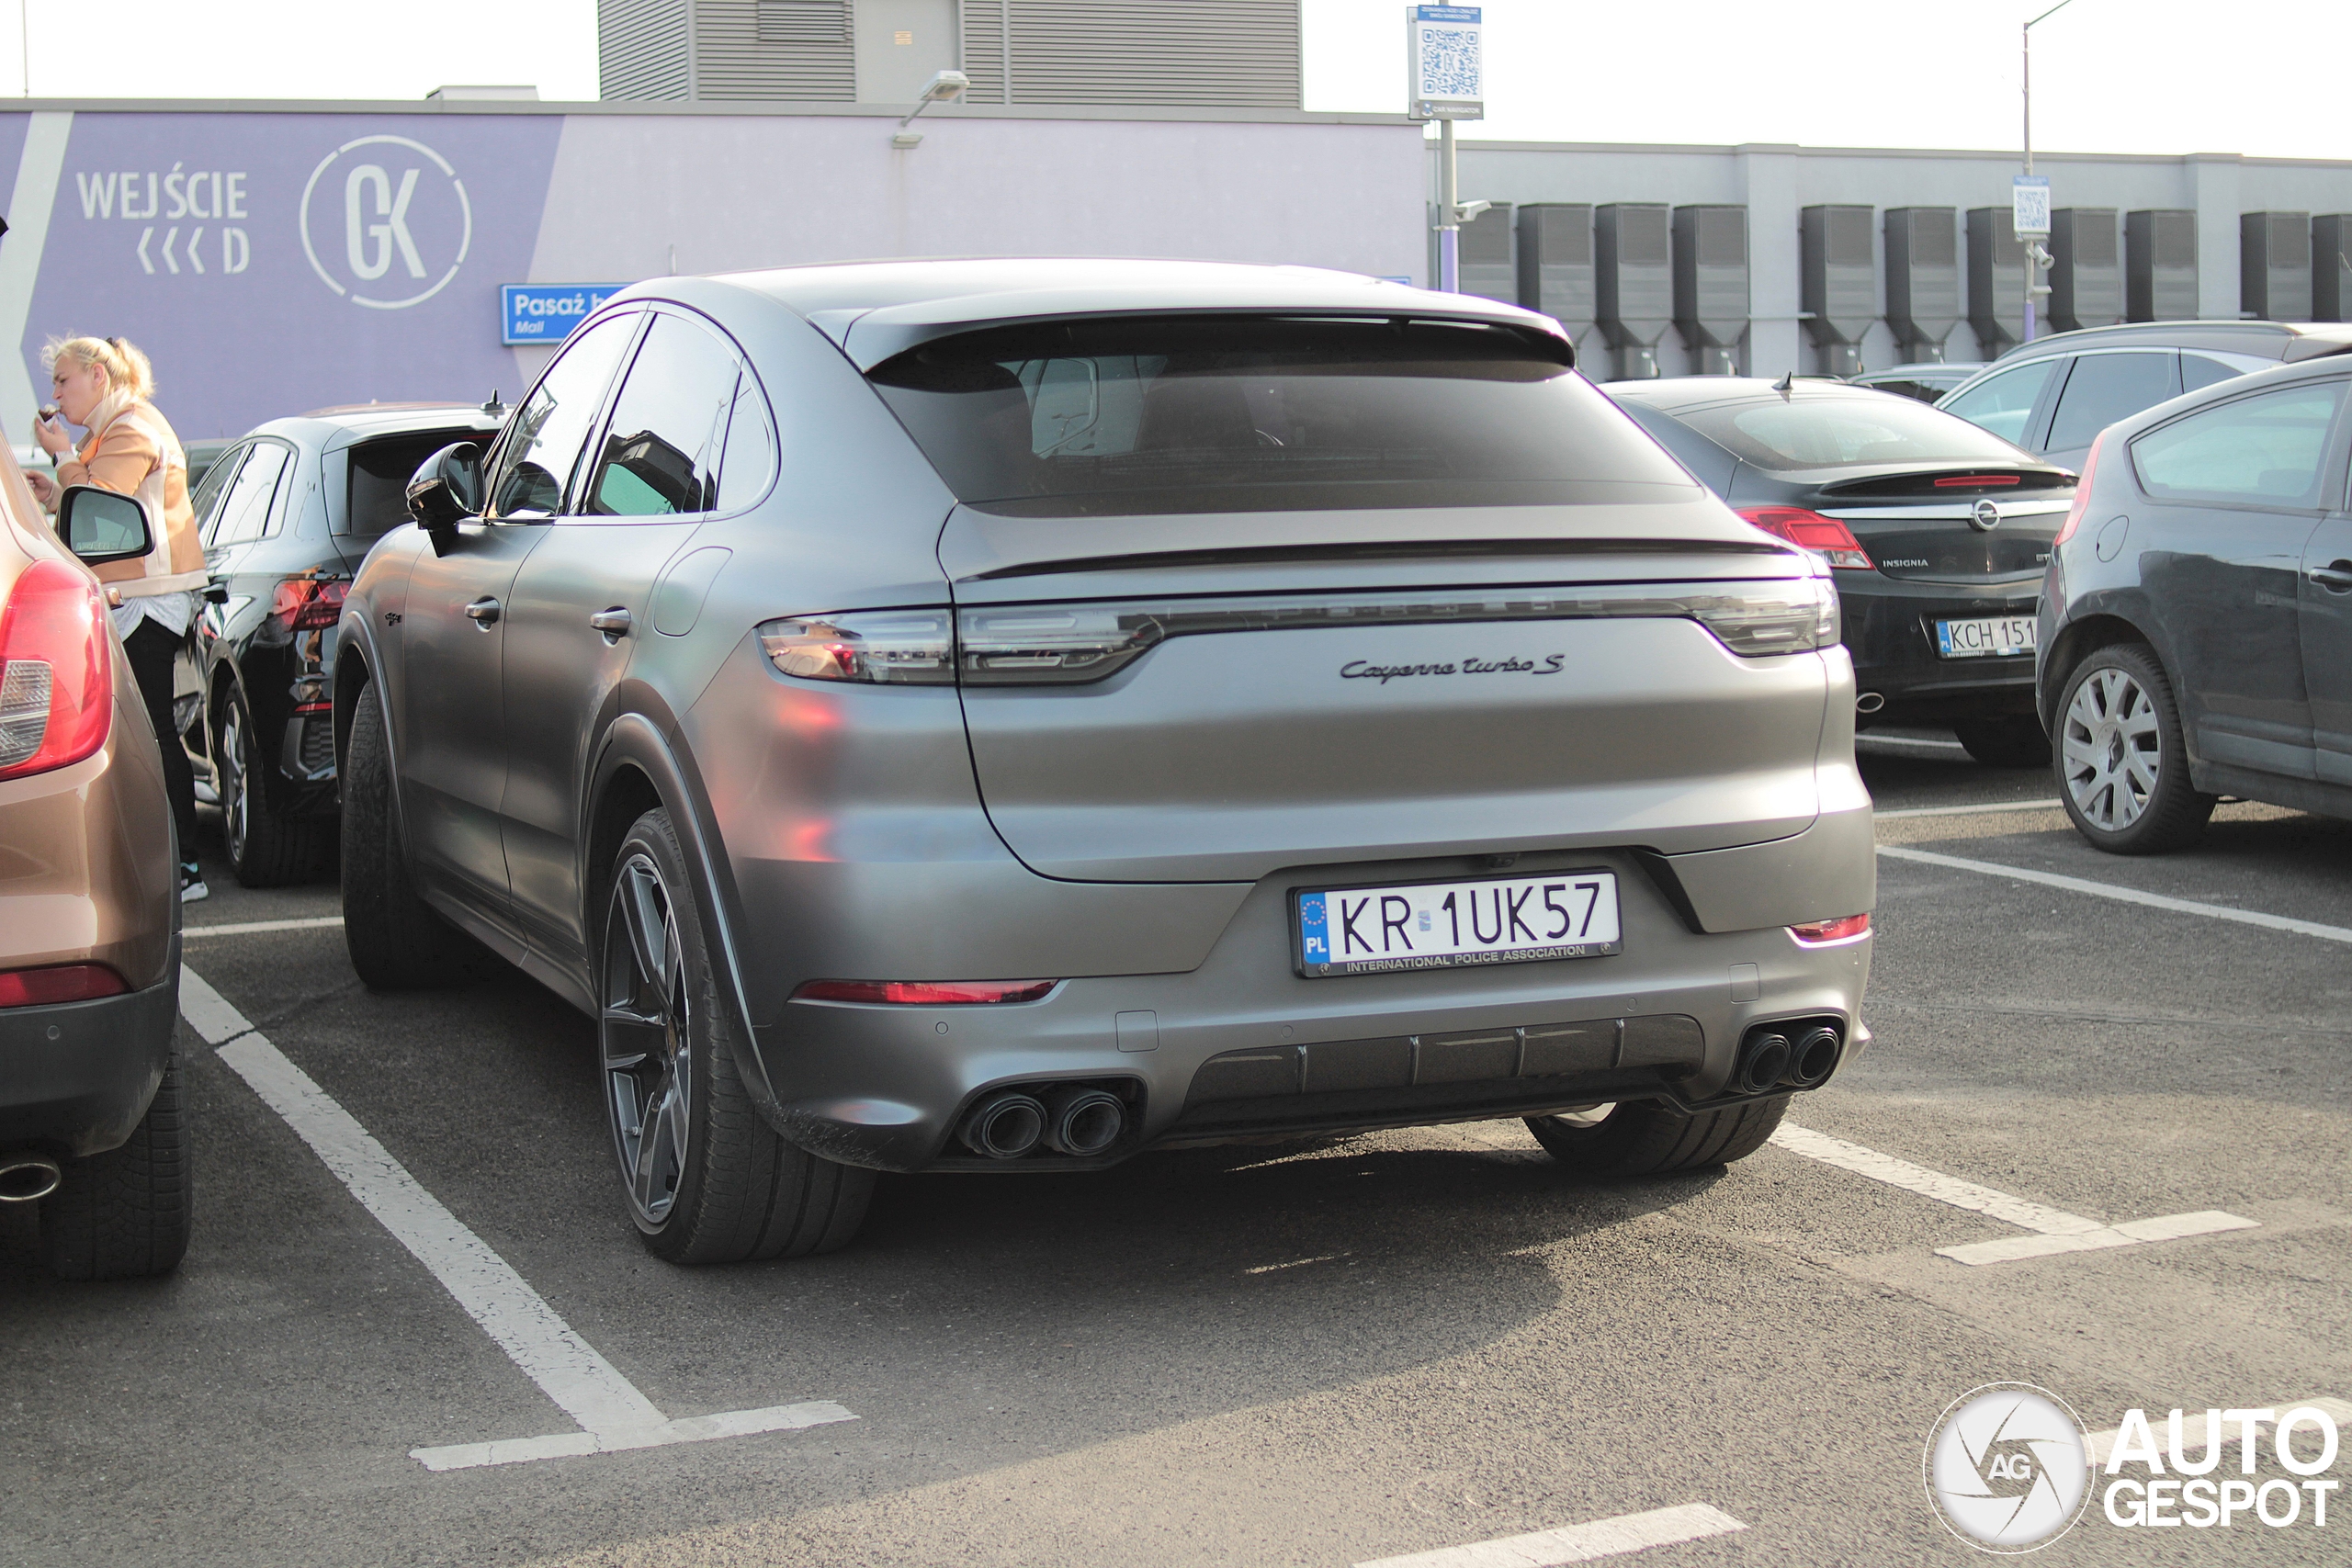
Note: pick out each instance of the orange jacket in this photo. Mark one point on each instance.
(132, 450)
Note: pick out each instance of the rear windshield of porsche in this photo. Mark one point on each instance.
(1159, 414)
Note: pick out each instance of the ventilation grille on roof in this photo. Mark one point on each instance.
(804, 21)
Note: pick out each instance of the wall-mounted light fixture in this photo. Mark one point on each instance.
(940, 89)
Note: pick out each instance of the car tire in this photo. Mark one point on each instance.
(2121, 762)
(264, 849)
(705, 1178)
(2007, 741)
(125, 1214)
(397, 942)
(1643, 1137)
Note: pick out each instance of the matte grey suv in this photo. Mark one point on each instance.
(1007, 716)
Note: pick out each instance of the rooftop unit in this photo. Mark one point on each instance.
(1711, 285)
(1922, 279)
(2275, 265)
(1633, 282)
(1488, 255)
(1555, 262)
(2160, 265)
(1996, 281)
(2087, 272)
(2332, 268)
(1837, 286)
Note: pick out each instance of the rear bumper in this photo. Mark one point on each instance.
(1890, 631)
(75, 1079)
(1244, 1046)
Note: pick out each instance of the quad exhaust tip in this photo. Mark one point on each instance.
(1801, 1053)
(1079, 1121)
(28, 1178)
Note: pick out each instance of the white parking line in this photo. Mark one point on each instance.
(1578, 1543)
(613, 1415)
(2123, 895)
(2099, 1445)
(2055, 1230)
(1974, 810)
(251, 928)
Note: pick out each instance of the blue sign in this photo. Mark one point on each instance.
(545, 312)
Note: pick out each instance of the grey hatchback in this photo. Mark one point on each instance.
(1007, 715)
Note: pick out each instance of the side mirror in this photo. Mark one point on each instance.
(102, 526)
(448, 488)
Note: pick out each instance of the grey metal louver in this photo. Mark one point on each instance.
(2160, 265)
(1837, 283)
(1996, 281)
(641, 51)
(2086, 276)
(1922, 279)
(803, 21)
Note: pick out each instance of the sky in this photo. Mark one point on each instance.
(2165, 77)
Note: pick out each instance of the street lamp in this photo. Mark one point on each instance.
(940, 89)
(2036, 258)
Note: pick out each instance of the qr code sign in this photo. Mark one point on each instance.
(1447, 62)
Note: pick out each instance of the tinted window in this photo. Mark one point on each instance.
(535, 459)
(2106, 388)
(750, 447)
(2265, 449)
(216, 479)
(661, 451)
(380, 469)
(2002, 403)
(244, 510)
(1844, 431)
(1124, 417)
(2196, 371)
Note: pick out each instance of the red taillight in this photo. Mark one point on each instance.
(60, 983)
(305, 603)
(2082, 494)
(1832, 933)
(1825, 537)
(56, 675)
(925, 993)
(1977, 482)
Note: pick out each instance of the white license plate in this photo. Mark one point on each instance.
(1990, 637)
(1447, 925)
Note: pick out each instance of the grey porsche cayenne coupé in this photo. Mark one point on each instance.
(1006, 715)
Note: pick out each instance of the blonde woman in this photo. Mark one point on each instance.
(103, 384)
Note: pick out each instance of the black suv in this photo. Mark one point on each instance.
(287, 514)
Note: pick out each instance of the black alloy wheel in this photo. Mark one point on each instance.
(706, 1179)
(2123, 763)
(1644, 1137)
(264, 850)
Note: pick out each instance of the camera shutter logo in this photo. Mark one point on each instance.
(2007, 1468)
(373, 195)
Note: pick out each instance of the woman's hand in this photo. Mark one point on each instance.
(44, 489)
(51, 433)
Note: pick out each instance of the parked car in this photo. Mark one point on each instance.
(93, 1124)
(287, 514)
(1010, 715)
(1926, 382)
(2053, 396)
(1936, 533)
(2197, 615)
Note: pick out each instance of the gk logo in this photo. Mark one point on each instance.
(405, 216)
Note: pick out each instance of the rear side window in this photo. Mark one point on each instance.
(2196, 371)
(2002, 403)
(2106, 388)
(208, 492)
(1124, 417)
(1844, 430)
(546, 436)
(2265, 450)
(660, 454)
(380, 469)
(245, 510)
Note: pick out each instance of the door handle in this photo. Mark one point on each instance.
(482, 612)
(2335, 576)
(614, 623)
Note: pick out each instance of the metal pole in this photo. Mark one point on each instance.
(2026, 250)
(1449, 227)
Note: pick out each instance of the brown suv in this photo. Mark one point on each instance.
(92, 1123)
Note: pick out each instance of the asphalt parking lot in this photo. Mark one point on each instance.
(1390, 1345)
